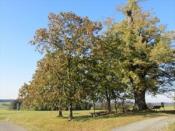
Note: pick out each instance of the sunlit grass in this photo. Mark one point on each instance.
(172, 107)
(48, 120)
(5, 105)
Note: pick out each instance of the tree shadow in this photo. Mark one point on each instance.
(146, 114)
(167, 112)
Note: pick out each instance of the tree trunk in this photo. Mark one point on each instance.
(123, 105)
(70, 112)
(94, 108)
(140, 103)
(108, 100)
(109, 104)
(60, 112)
(115, 106)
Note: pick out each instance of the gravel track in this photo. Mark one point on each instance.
(153, 124)
(7, 126)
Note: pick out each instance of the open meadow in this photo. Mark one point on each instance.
(48, 120)
(5, 105)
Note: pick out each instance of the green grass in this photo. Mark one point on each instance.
(170, 107)
(5, 105)
(48, 120)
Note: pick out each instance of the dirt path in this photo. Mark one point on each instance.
(7, 126)
(153, 124)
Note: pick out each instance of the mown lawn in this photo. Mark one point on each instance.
(48, 120)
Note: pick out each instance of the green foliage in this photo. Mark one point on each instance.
(144, 47)
(80, 64)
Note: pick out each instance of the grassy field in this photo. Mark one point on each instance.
(170, 107)
(47, 120)
(5, 105)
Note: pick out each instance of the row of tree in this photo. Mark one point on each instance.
(84, 62)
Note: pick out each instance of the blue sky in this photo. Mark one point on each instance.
(20, 18)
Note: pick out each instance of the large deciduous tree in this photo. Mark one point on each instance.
(73, 36)
(145, 47)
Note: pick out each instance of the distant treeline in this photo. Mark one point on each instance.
(7, 100)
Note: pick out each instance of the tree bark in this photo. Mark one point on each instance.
(60, 114)
(140, 103)
(108, 100)
(115, 106)
(109, 104)
(123, 105)
(70, 112)
(94, 108)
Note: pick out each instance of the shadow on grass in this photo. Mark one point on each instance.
(78, 118)
(167, 112)
(147, 114)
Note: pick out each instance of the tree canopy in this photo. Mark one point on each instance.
(83, 64)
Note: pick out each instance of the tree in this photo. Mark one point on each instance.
(52, 67)
(73, 36)
(24, 96)
(104, 75)
(43, 92)
(145, 47)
